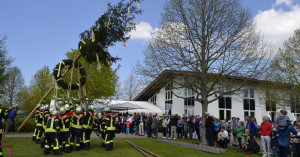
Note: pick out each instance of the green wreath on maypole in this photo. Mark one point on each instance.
(57, 72)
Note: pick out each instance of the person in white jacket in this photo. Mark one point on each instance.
(165, 123)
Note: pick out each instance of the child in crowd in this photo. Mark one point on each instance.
(283, 120)
(239, 134)
(128, 127)
(247, 132)
(251, 145)
(274, 142)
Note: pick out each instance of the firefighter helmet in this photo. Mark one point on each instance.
(62, 110)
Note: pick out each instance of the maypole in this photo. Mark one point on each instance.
(111, 27)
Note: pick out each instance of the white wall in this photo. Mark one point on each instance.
(213, 108)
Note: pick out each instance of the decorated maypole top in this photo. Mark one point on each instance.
(113, 26)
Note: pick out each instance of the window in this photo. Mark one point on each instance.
(153, 99)
(249, 102)
(168, 91)
(223, 89)
(168, 97)
(271, 104)
(189, 100)
(225, 105)
(295, 105)
(189, 112)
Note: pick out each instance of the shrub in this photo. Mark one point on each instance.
(28, 127)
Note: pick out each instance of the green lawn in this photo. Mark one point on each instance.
(24, 147)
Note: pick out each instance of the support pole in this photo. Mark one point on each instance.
(32, 112)
(48, 92)
(71, 79)
(79, 86)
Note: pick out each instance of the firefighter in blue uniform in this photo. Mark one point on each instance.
(3, 115)
(39, 124)
(88, 121)
(37, 112)
(64, 134)
(102, 126)
(77, 120)
(51, 134)
(109, 129)
(46, 114)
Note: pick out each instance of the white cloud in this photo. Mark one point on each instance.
(277, 25)
(286, 2)
(144, 30)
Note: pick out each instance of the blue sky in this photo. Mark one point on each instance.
(41, 32)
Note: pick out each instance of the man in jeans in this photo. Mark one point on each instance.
(141, 125)
(266, 132)
(12, 118)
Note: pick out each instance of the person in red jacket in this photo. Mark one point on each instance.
(265, 132)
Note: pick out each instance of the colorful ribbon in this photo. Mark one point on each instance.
(60, 68)
(137, 2)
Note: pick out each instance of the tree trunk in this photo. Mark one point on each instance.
(204, 109)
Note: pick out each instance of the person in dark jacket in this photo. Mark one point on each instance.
(123, 125)
(284, 139)
(154, 126)
(197, 127)
(190, 127)
(148, 125)
(137, 124)
(180, 125)
(210, 128)
(253, 128)
(274, 142)
(12, 118)
(173, 122)
(252, 145)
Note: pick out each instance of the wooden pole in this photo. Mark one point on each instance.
(71, 79)
(79, 88)
(48, 92)
(32, 112)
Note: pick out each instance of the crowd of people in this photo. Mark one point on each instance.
(69, 128)
(275, 136)
(279, 138)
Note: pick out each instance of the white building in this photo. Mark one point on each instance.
(249, 102)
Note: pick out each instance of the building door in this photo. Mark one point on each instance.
(189, 111)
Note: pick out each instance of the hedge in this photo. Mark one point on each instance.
(28, 127)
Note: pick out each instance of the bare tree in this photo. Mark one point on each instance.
(131, 87)
(13, 85)
(212, 41)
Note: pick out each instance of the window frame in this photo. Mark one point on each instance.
(225, 108)
(249, 98)
(153, 99)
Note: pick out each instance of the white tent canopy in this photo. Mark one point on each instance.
(130, 106)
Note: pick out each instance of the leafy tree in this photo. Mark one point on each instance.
(101, 81)
(285, 75)
(131, 87)
(25, 99)
(5, 62)
(40, 84)
(206, 42)
(13, 84)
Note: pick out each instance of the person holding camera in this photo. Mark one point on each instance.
(223, 138)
